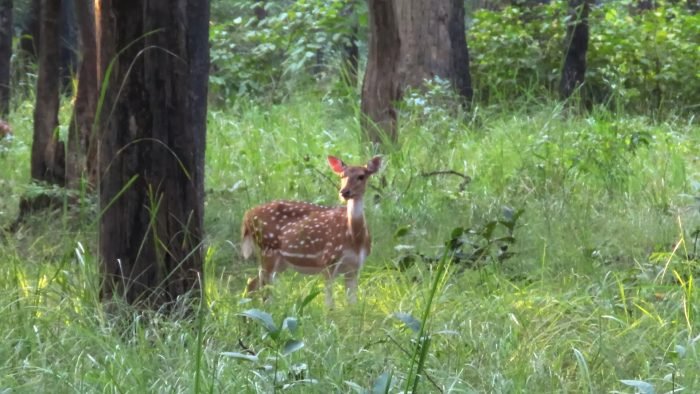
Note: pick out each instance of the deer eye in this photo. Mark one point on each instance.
(360, 177)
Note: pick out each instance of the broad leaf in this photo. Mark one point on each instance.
(292, 346)
(382, 384)
(410, 321)
(241, 356)
(291, 324)
(262, 317)
(641, 386)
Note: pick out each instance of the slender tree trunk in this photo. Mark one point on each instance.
(574, 70)
(5, 55)
(47, 161)
(351, 52)
(70, 43)
(81, 156)
(152, 149)
(411, 41)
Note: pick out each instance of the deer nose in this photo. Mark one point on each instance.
(345, 193)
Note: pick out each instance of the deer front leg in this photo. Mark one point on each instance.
(328, 276)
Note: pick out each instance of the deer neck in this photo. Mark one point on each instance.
(356, 219)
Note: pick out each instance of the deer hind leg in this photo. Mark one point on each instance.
(351, 286)
(269, 264)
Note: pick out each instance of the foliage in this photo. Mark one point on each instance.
(599, 294)
(271, 56)
(636, 59)
(470, 247)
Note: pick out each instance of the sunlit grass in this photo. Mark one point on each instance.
(601, 287)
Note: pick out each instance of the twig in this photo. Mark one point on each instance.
(466, 179)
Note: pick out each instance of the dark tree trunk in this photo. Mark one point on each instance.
(574, 70)
(646, 5)
(152, 149)
(67, 37)
(259, 10)
(81, 156)
(70, 45)
(380, 88)
(47, 161)
(430, 43)
(31, 30)
(351, 52)
(5, 55)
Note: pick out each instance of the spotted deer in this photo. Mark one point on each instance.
(5, 129)
(310, 238)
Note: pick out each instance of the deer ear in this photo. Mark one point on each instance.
(336, 164)
(374, 164)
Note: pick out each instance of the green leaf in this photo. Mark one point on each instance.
(263, 318)
(307, 300)
(487, 231)
(401, 232)
(457, 232)
(382, 384)
(356, 387)
(641, 386)
(241, 356)
(292, 346)
(291, 324)
(410, 321)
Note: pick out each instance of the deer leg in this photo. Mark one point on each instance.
(351, 286)
(329, 288)
(268, 266)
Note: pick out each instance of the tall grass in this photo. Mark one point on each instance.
(598, 296)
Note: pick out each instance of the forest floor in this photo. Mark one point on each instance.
(573, 238)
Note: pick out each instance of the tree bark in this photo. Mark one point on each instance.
(5, 55)
(31, 30)
(411, 41)
(433, 43)
(380, 87)
(574, 70)
(81, 156)
(152, 149)
(47, 161)
(351, 52)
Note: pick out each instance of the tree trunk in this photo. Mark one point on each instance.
(47, 161)
(259, 10)
(5, 55)
(574, 70)
(81, 156)
(411, 41)
(31, 30)
(433, 43)
(152, 149)
(70, 45)
(351, 52)
(380, 87)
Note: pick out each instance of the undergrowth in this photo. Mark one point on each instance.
(596, 291)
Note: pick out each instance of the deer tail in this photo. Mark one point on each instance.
(247, 241)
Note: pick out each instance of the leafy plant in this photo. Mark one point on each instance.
(638, 60)
(270, 56)
(283, 344)
(472, 247)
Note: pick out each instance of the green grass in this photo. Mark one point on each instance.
(600, 288)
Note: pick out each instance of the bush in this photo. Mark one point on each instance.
(273, 55)
(637, 60)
